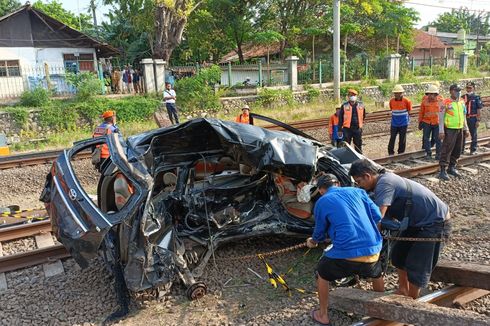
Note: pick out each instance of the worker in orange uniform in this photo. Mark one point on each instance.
(429, 120)
(101, 152)
(245, 117)
(333, 128)
(400, 107)
(351, 119)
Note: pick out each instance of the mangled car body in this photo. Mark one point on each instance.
(167, 198)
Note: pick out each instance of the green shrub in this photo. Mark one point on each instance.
(313, 93)
(58, 117)
(275, 97)
(35, 98)
(20, 115)
(197, 92)
(87, 84)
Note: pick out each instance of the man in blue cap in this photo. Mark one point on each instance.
(350, 218)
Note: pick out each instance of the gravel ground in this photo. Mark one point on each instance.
(86, 297)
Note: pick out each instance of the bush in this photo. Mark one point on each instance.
(313, 93)
(197, 92)
(87, 84)
(37, 97)
(275, 97)
(20, 115)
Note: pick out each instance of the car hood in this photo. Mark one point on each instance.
(266, 150)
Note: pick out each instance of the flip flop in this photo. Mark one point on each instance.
(312, 316)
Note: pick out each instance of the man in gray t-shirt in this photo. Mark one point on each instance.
(427, 214)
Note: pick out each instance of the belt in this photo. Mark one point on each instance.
(471, 115)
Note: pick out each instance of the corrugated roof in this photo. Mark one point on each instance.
(423, 41)
(252, 51)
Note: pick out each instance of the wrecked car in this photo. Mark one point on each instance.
(167, 198)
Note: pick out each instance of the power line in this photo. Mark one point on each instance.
(445, 7)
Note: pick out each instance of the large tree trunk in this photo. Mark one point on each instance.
(239, 51)
(169, 26)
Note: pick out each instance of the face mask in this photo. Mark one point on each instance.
(353, 98)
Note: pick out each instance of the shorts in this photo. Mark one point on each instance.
(418, 258)
(332, 269)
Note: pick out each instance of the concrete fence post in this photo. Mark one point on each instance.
(229, 75)
(293, 71)
(260, 74)
(148, 75)
(463, 63)
(394, 67)
(159, 74)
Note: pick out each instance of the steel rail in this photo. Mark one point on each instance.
(434, 167)
(32, 258)
(420, 153)
(29, 159)
(24, 230)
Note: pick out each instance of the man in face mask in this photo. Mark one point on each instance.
(351, 119)
(452, 125)
(473, 115)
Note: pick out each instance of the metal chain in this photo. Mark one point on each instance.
(303, 245)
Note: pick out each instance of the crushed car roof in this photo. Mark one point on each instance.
(271, 151)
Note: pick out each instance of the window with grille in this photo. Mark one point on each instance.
(79, 62)
(9, 68)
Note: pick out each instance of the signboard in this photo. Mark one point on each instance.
(432, 31)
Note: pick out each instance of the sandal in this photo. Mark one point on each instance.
(312, 315)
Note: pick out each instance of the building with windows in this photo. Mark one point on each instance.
(38, 49)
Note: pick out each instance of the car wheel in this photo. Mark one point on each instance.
(196, 291)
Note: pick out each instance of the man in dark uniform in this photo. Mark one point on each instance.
(351, 119)
(474, 106)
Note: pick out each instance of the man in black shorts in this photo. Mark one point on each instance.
(423, 215)
(350, 218)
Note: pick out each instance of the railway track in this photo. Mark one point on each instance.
(46, 157)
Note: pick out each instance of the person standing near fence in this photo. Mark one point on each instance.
(169, 96)
(400, 107)
(136, 81)
(128, 80)
(115, 79)
(429, 121)
(474, 106)
(452, 125)
(351, 119)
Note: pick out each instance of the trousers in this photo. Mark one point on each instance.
(451, 147)
(402, 140)
(431, 136)
(172, 112)
(473, 133)
(354, 134)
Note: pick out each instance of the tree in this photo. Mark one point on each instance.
(7, 6)
(162, 21)
(462, 18)
(267, 38)
(55, 9)
(234, 19)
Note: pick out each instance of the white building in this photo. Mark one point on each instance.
(34, 45)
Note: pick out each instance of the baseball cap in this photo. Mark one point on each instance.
(353, 91)
(326, 180)
(245, 107)
(454, 87)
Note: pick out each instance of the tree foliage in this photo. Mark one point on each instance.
(55, 9)
(463, 19)
(7, 6)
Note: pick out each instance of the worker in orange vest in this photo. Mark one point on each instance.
(351, 119)
(101, 152)
(333, 128)
(400, 107)
(429, 121)
(245, 117)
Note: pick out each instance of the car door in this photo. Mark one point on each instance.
(76, 219)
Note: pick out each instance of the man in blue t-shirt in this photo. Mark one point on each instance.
(350, 218)
(401, 199)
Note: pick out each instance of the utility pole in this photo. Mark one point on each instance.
(336, 51)
(93, 6)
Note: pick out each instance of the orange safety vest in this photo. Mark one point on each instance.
(429, 111)
(334, 121)
(348, 115)
(243, 119)
(101, 131)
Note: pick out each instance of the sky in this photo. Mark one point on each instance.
(428, 9)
